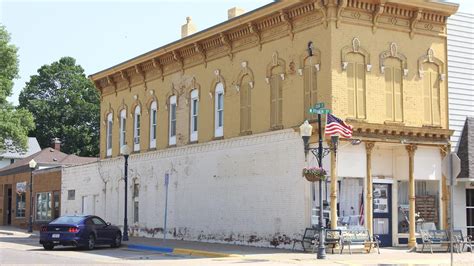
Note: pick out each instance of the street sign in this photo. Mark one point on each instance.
(319, 106)
(451, 166)
(320, 111)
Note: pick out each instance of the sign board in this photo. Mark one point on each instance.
(318, 106)
(319, 111)
(20, 187)
(451, 165)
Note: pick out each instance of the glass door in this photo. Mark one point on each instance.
(470, 211)
(382, 223)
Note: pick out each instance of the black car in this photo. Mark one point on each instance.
(79, 231)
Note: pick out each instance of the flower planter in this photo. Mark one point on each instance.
(313, 177)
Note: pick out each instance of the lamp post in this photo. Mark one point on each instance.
(306, 132)
(125, 152)
(32, 165)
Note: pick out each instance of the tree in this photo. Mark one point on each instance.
(15, 123)
(65, 104)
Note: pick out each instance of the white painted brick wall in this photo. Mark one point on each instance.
(246, 190)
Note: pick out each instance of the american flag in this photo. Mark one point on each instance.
(336, 126)
(361, 208)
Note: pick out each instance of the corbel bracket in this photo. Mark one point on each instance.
(319, 5)
(226, 42)
(342, 4)
(253, 30)
(110, 81)
(126, 78)
(413, 21)
(376, 15)
(198, 48)
(177, 58)
(157, 64)
(141, 73)
(285, 18)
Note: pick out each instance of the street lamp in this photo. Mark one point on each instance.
(32, 165)
(126, 152)
(306, 131)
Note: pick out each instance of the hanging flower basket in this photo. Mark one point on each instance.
(313, 174)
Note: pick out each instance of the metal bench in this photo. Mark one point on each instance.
(434, 237)
(310, 236)
(333, 238)
(359, 237)
(460, 242)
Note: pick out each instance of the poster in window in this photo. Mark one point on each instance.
(380, 198)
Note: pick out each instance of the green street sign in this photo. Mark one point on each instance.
(322, 111)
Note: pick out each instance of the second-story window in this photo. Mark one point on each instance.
(394, 90)
(356, 86)
(219, 113)
(109, 134)
(123, 127)
(276, 98)
(245, 106)
(153, 113)
(172, 126)
(194, 115)
(310, 87)
(136, 129)
(431, 99)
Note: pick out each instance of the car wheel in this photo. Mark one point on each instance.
(117, 241)
(48, 246)
(91, 242)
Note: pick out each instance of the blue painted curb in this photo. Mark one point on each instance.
(150, 248)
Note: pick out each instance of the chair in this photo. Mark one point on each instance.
(461, 242)
(310, 236)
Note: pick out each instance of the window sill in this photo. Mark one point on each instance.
(394, 123)
(218, 138)
(152, 149)
(245, 133)
(172, 146)
(278, 127)
(193, 142)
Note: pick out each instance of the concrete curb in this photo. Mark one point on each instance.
(180, 251)
(6, 233)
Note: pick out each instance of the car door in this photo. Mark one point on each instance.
(101, 230)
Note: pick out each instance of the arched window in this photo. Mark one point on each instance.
(153, 118)
(310, 86)
(276, 97)
(123, 128)
(245, 106)
(109, 134)
(394, 89)
(431, 92)
(194, 115)
(219, 110)
(136, 128)
(172, 119)
(356, 85)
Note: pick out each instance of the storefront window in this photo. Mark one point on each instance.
(20, 205)
(426, 205)
(43, 206)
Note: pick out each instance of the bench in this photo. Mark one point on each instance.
(333, 238)
(460, 242)
(310, 236)
(434, 237)
(359, 237)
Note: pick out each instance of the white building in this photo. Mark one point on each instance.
(9, 157)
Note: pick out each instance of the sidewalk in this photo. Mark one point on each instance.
(16, 232)
(194, 248)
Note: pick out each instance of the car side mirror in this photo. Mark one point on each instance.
(108, 223)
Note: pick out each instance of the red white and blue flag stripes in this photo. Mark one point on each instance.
(335, 126)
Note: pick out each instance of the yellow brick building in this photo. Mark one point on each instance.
(380, 65)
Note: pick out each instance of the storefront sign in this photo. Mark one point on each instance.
(20, 187)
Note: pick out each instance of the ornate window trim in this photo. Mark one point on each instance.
(393, 53)
(137, 125)
(152, 105)
(109, 117)
(244, 70)
(173, 92)
(356, 49)
(218, 78)
(311, 51)
(276, 61)
(429, 57)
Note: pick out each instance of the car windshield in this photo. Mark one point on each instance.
(68, 220)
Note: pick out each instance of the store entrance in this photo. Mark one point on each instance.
(382, 223)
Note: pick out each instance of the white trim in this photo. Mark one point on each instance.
(153, 124)
(108, 135)
(123, 128)
(382, 181)
(136, 128)
(173, 105)
(218, 129)
(194, 115)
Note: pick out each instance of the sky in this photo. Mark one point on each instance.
(102, 33)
